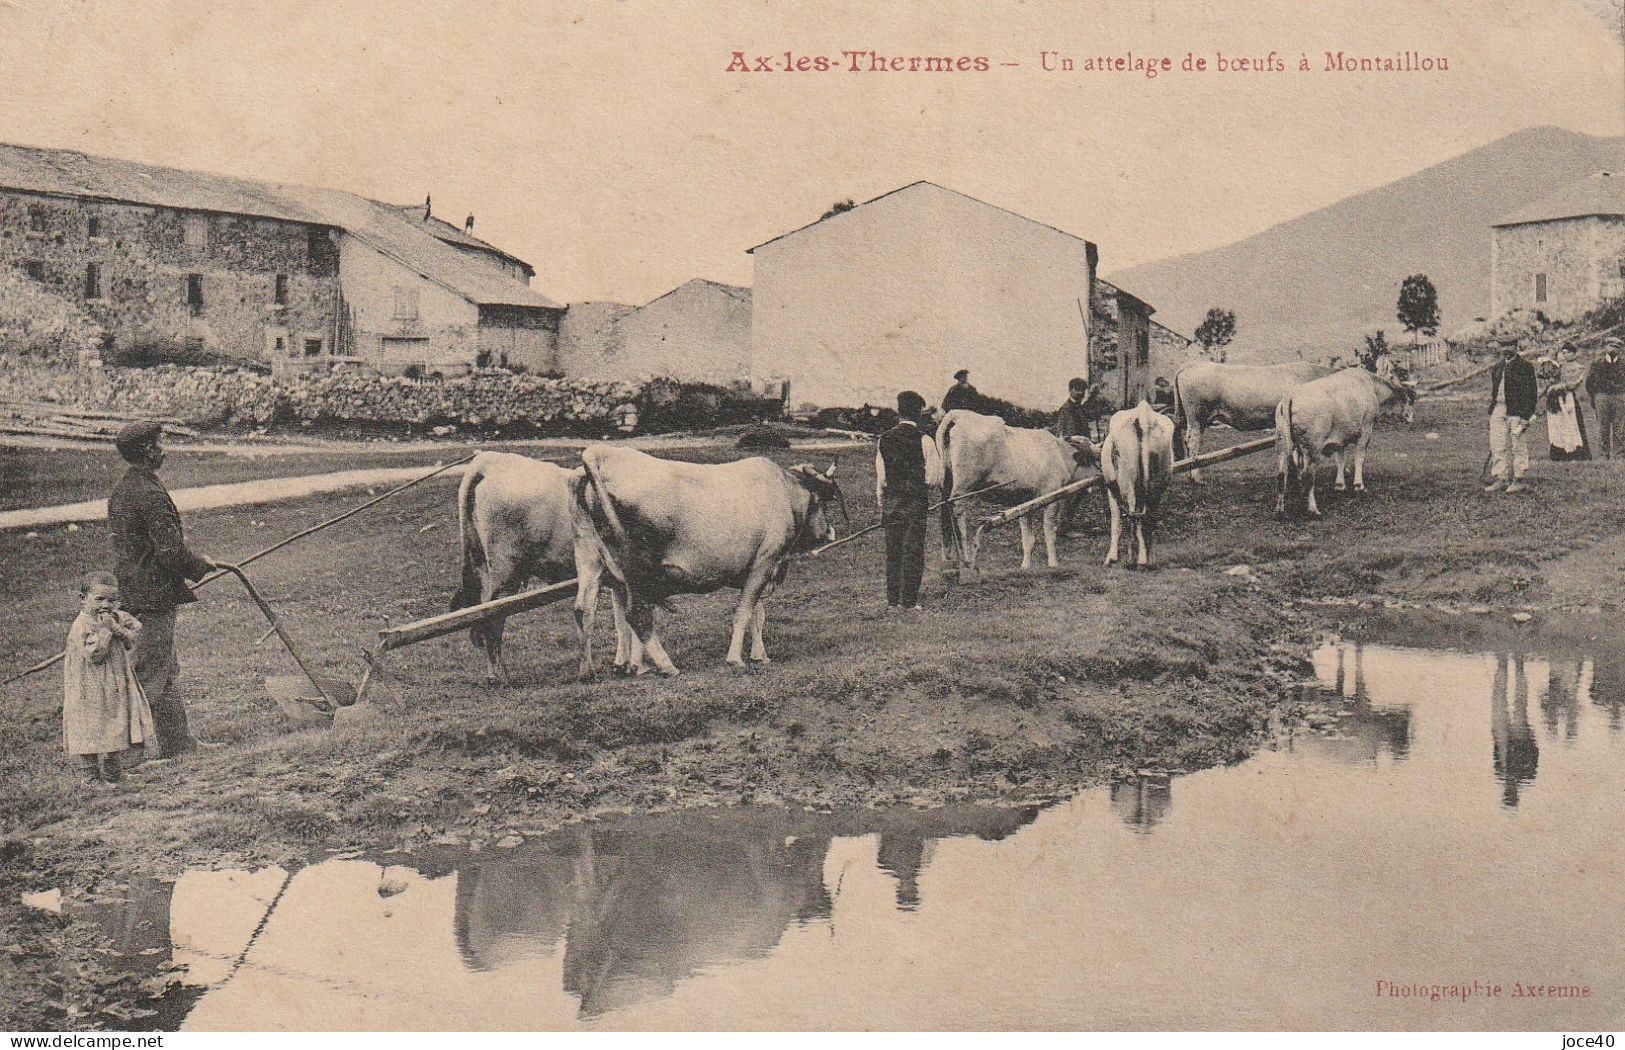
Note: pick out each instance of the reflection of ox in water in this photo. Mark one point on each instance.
(657, 528)
(641, 905)
(1325, 418)
(981, 451)
(1241, 396)
(1367, 731)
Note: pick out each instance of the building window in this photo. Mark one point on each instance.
(196, 229)
(93, 280)
(279, 295)
(1540, 287)
(1621, 263)
(406, 303)
(94, 226)
(313, 347)
(314, 240)
(37, 217)
(35, 270)
(1144, 348)
(194, 292)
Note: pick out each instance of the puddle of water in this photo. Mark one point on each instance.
(1459, 823)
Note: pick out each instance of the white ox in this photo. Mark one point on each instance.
(1325, 418)
(659, 528)
(515, 518)
(978, 451)
(1136, 462)
(1242, 396)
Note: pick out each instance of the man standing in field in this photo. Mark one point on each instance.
(1512, 406)
(1605, 383)
(907, 469)
(153, 566)
(962, 394)
(1074, 419)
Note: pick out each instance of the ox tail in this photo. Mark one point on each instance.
(474, 561)
(594, 519)
(1180, 408)
(950, 531)
(1143, 426)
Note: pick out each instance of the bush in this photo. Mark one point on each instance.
(1015, 415)
(666, 404)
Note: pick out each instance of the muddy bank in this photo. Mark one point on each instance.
(1094, 691)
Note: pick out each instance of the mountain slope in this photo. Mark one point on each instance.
(1318, 281)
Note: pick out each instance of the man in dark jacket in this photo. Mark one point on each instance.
(1076, 418)
(907, 469)
(153, 566)
(1512, 406)
(1605, 383)
(962, 394)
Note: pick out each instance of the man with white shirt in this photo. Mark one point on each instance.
(1512, 406)
(907, 470)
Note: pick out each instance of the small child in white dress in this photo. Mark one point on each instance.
(104, 711)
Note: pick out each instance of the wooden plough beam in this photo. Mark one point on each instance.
(452, 622)
(1021, 510)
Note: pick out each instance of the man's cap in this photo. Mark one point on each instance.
(1507, 339)
(1613, 342)
(137, 437)
(1077, 383)
(962, 374)
(910, 403)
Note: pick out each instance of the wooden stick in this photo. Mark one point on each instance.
(1004, 517)
(815, 552)
(454, 621)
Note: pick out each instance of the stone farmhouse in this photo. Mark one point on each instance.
(170, 261)
(901, 291)
(1564, 254)
(697, 332)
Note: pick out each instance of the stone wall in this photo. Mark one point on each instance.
(1581, 258)
(244, 397)
(144, 260)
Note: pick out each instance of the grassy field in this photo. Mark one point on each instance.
(1021, 686)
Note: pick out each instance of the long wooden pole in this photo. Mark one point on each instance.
(816, 551)
(451, 622)
(1020, 510)
(50, 662)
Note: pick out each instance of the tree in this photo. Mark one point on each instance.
(837, 208)
(1419, 306)
(1216, 331)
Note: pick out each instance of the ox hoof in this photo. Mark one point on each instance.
(669, 672)
(761, 661)
(1360, 489)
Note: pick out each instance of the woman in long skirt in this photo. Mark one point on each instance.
(1565, 426)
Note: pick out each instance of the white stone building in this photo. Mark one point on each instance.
(903, 290)
(1564, 254)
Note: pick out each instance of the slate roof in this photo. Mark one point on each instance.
(1599, 194)
(381, 226)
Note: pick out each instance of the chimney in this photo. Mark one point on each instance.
(427, 207)
(468, 225)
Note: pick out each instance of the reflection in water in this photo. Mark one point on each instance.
(1608, 688)
(1367, 730)
(1274, 895)
(1142, 802)
(1516, 753)
(1560, 704)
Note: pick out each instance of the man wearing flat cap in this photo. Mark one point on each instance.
(1512, 406)
(907, 469)
(153, 567)
(1605, 384)
(962, 394)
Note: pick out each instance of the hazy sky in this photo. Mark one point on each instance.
(606, 143)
